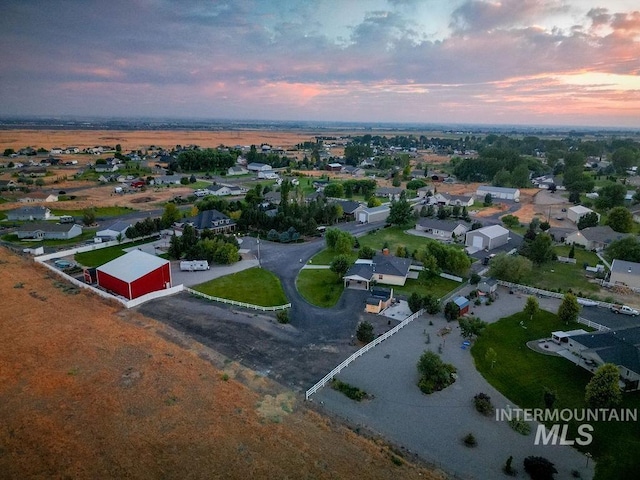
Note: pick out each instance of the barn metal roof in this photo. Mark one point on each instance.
(132, 265)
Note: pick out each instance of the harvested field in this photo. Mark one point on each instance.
(88, 390)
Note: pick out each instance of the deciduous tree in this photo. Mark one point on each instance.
(603, 390)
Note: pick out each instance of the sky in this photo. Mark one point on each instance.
(523, 62)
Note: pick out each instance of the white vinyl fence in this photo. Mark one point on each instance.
(329, 376)
(236, 303)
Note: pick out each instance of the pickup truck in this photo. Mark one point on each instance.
(625, 310)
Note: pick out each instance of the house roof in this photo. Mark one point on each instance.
(374, 301)
(461, 302)
(119, 226)
(216, 188)
(348, 206)
(490, 188)
(31, 210)
(444, 225)
(381, 208)
(492, 231)
(389, 191)
(206, 218)
(390, 265)
(620, 347)
(601, 234)
(132, 265)
(46, 227)
(461, 198)
(580, 209)
(360, 270)
(622, 266)
(381, 292)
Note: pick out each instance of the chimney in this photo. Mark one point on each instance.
(385, 251)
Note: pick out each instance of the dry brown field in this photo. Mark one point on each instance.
(89, 390)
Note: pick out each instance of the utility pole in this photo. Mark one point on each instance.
(259, 251)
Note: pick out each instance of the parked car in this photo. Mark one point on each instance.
(625, 310)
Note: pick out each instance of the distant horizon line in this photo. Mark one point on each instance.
(85, 121)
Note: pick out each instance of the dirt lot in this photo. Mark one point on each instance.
(88, 390)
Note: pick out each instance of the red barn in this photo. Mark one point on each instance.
(135, 274)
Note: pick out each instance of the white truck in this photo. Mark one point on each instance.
(193, 265)
(625, 310)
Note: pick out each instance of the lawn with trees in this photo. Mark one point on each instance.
(256, 286)
(523, 376)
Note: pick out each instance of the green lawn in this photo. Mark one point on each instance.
(522, 374)
(255, 285)
(555, 275)
(319, 287)
(101, 212)
(325, 257)
(438, 287)
(95, 258)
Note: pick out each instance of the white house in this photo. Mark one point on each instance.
(113, 231)
(486, 238)
(268, 175)
(29, 213)
(577, 212)
(237, 170)
(49, 231)
(258, 167)
(501, 193)
(441, 229)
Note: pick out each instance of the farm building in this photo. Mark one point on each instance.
(135, 274)
(625, 273)
(501, 193)
(29, 213)
(375, 214)
(576, 213)
(486, 238)
(258, 167)
(113, 231)
(49, 231)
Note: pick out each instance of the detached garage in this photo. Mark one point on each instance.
(135, 274)
(486, 238)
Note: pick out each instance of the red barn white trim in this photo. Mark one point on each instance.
(135, 274)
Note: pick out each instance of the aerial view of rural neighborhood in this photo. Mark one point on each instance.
(359, 292)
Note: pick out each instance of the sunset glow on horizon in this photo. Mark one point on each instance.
(555, 62)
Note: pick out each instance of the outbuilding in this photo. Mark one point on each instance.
(500, 193)
(374, 214)
(113, 232)
(486, 238)
(575, 213)
(463, 304)
(134, 274)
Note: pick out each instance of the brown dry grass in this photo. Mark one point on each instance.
(88, 390)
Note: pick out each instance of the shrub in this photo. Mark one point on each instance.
(539, 468)
(283, 316)
(508, 469)
(469, 440)
(364, 332)
(520, 426)
(354, 393)
(435, 375)
(483, 404)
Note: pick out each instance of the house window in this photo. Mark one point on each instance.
(380, 277)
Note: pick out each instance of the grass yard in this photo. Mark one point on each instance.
(326, 256)
(255, 285)
(565, 276)
(394, 237)
(319, 287)
(101, 212)
(522, 374)
(438, 287)
(95, 258)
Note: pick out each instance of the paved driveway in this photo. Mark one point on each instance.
(432, 426)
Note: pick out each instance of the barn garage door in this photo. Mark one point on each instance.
(477, 241)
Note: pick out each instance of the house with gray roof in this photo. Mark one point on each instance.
(441, 229)
(619, 347)
(350, 208)
(385, 269)
(595, 238)
(625, 273)
(29, 213)
(114, 231)
(49, 231)
(391, 193)
(212, 220)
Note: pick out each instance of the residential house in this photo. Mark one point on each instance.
(33, 172)
(49, 231)
(7, 185)
(459, 200)
(576, 212)
(424, 192)
(486, 238)
(500, 193)
(29, 213)
(354, 171)
(625, 273)
(237, 170)
(385, 269)
(391, 193)
(441, 229)
(212, 220)
(273, 198)
(35, 197)
(350, 208)
(168, 179)
(115, 231)
(595, 238)
(620, 347)
(560, 234)
(268, 175)
(488, 286)
(334, 167)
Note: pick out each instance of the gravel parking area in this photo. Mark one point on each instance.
(432, 426)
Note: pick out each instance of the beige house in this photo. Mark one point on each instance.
(385, 269)
(594, 238)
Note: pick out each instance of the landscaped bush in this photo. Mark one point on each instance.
(354, 393)
(469, 440)
(483, 404)
(435, 375)
(283, 316)
(365, 333)
(520, 426)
